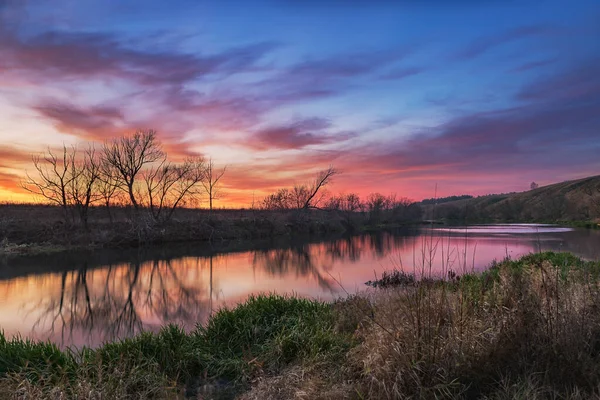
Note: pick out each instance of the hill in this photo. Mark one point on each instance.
(576, 200)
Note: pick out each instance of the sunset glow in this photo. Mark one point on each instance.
(475, 97)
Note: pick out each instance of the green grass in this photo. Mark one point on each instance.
(268, 333)
(17, 354)
(262, 335)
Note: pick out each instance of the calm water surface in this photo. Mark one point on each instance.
(79, 299)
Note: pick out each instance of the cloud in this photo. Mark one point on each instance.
(483, 45)
(267, 175)
(11, 159)
(10, 182)
(170, 82)
(57, 54)
(401, 73)
(297, 135)
(325, 77)
(100, 123)
(95, 123)
(9, 156)
(534, 65)
(348, 65)
(578, 83)
(68, 67)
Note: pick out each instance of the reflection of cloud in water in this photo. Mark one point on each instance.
(92, 300)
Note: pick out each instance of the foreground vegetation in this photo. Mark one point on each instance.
(523, 329)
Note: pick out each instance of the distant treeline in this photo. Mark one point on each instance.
(441, 200)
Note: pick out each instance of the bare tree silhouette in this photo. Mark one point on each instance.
(301, 196)
(53, 178)
(211, 182)
(128, 156)
(169, 185)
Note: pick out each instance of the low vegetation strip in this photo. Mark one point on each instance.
(527, 328)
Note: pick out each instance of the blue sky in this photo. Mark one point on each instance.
(474, 96)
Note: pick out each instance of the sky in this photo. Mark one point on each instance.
(417, 98)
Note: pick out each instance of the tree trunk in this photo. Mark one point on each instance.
(110, 217)
(134, 202)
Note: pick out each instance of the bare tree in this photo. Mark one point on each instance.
(376, 204)
(302, 196)
(53, 178)
(349, 205)
(334, 203)
(84, 174)
(128, 156)
(280, 200)
(107, 185)
(313, 194)
(211, 182)
(346, 204)
(169, 185)
(189, 186)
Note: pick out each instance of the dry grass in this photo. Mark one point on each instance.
(302, 382)
(531, 323)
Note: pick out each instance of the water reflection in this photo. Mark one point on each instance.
(116, 301)
(94, 297)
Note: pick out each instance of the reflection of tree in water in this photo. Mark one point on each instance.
(382, 243)
(317, 259)
(296, 260)
(113, 302)
(347, 249)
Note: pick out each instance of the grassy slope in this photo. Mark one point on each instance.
(565, 201)
(524, 329)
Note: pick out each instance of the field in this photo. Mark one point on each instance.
(527, 328)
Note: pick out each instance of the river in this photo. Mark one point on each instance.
(87, 298)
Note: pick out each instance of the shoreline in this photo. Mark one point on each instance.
(245, 232)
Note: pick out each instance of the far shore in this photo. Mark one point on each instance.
(41, 229)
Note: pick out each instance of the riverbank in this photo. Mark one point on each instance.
(47, 233)
(39, 229)
(528, 328)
